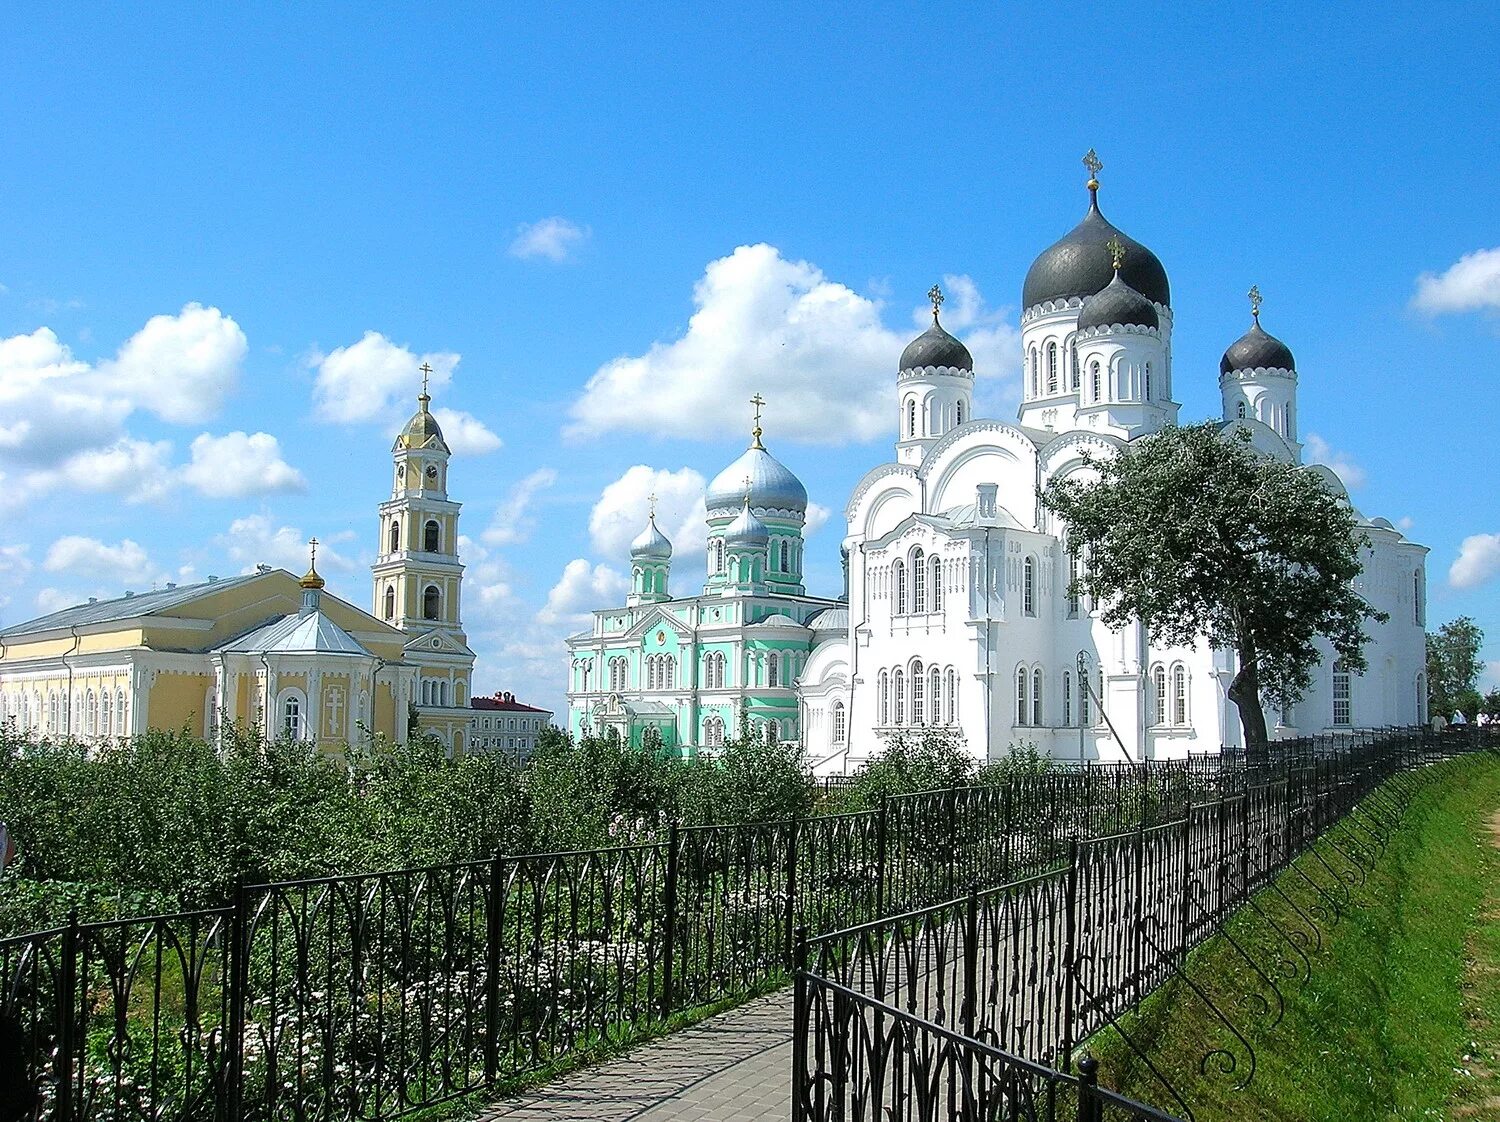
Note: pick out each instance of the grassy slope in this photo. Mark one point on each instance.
(1379, 1031)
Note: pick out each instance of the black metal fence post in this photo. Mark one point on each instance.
(880, 860)
(237, 968)
(1070, 955)
(800, 1029)
(67, 1006)
(952, 841)
(793, 829)
(971, 964)
(1090, 1109)
(669, 924)
(494, 931)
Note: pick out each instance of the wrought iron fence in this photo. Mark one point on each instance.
(974, 1006)
(374, 995)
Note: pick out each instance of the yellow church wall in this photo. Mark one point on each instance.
(383, 712)
(176, 701)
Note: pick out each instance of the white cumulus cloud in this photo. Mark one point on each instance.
(1319, 451)
(182, 367)
(123, 563)
(256, 540)
(137, 470)
(814, 348)
(373, 378)
(465, 433)
(552, 238)
(581, 589)
(240, 464)
(620, 512)
(1478, 561)
(1470, 284)
(513, 521)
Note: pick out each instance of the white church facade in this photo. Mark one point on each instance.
(957, 612)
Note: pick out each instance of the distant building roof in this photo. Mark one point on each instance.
(129, 606)
(505, 702)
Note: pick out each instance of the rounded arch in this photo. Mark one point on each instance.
(432, 602)
(390, 602)
(395, 535)
(432, 536)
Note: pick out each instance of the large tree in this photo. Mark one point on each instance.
(1194, 533)
(1453, 668)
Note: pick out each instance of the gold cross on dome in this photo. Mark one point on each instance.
(756, 401)
(1254, 295)
(935, 294)
(1092, 161)
(1116, 251)
(426, 370)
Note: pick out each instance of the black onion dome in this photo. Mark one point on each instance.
(1117, 303)
(1256, 350)
(1080, 265)
(935, 347)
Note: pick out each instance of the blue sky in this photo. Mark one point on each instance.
(216, 223)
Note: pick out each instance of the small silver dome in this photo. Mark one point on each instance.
(772, 485)
(651, 544)
(747, 529)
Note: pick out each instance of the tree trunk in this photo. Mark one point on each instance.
(1244, 691)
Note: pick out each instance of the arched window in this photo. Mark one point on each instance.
(107, 714)
(1036, 696)
(390, 603)
(911, 416)
(1343, 710)
(713, 732)
(935, 693)
(899, 569)
(1067, 697)
(1036, 384)
(650, 672)
(120, 711)
(1095, 382)
(291, 717)
(898, 694)
(937, 584)
(1051, 368)
(395, 535)
(918, 582)
(1028, 586)
(885, 698)
(616, 675)
(917, 694)
(1158, 695)
(838, 722)
(786, 557)
(52, 712)
(952, 697)
(430, 535)
(1148, 382)
(431, 602)
(1241, 411)
(1179, 695)
(90, 715)
(773, 669)
(1072, 586)
(958, 413)
(1023, 710)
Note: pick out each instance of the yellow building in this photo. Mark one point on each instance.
(266, 650)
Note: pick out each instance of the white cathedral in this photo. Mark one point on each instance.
(958, 609)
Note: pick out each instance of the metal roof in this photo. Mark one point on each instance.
(159, 602)
(312, 633)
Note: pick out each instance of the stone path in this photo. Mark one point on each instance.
(735, 1067)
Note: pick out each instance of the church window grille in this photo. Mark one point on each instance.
(1067, 697)
(430, 536)
(1028, 586)
(918, 582)
(395, 535)
(1023, 708)
(911, 417)
(1241, 411)
(885, 697)
(898, 694)
(773, 670)
(1148, 382)
(958, 412)
(1096, 381)
(917, 694)
(838, 722)
(1051, 368)
(1036, 696)
(390, 603)
(1179, 695)
(1159, 695)
(1343, 710)
(432, 601)
(786, 557)
(937, 584)
(718, 555)
(900, 584)
(291, 718)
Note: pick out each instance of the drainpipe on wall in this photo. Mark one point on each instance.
(68, 699)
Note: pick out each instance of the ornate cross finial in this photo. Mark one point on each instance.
(935, 294)
(426, 370)
(748, 484)
(1116, 251)
(651, 501)
(1254, 295)
(1092, 161)
(313, 547)
(756, 401)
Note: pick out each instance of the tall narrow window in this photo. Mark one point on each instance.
(1036, 383)
(1072, 585)
(1051, 368)
(918, 582)
(120, 712)
(885, 698)
(935, 694)
(1343, 713)
(1096, 387)
(1148, 382)
(917, 694)
(1179, 695)
(936, 576)
(900, 585)
(1036, 696)
(650, 672)
(838, 722)
(1241, 411)
(911, 417)
(773, 670)
(390, 603)
(1067, 697)
(898, 697)
(958, 413)
(1023, 709)
(786, 557)
(291, 719)
(1159, 695)
(395, 535)
(952, 697)
(718, 555)
(1028, 586)
(430, 536)
(431, 602)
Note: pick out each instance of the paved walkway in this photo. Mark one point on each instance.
(735, 1067)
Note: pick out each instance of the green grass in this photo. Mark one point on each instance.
(1401, 990)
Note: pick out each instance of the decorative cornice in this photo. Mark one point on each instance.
(908, 373)
(872, 477)
(972, 428)
(1117, 329)
(1258, 372)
